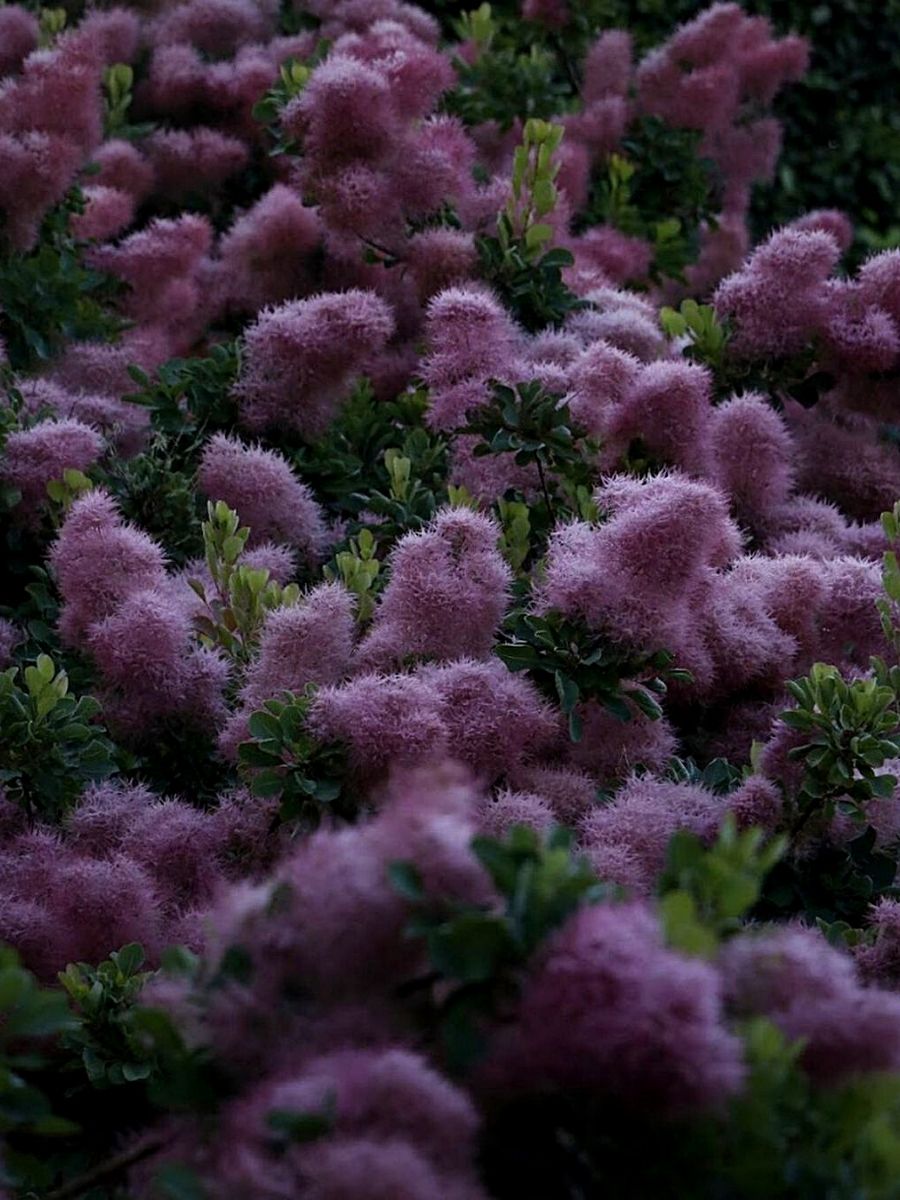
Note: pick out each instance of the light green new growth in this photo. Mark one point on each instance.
(534, 193)
(357, 569)
(705, 893)
(242, 595)
(398, 469)
(65, 491)
(698, 322)
(890, 580)
(117, 84)
(478, 27)
(52, 22)
(515, 541)
(459, 496)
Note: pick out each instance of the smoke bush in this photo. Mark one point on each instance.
(301, 357)
(547, 490)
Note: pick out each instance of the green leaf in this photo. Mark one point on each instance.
(470, 947)
(646, 703)
(406, 879)
(267, 783)
(299, 1127)
(130, 958)
(538, 234)
(46, 1014)
(177, 1182)
(14, 984)
(178, 960)
(567, 690)
(557, 259)
(236, 964)
(326, 791)
(678, 913)
(883, 786)
(264, 726)
(617, 706)
(684, 853)
(133, 1072)
(258, 754)
(517, 655)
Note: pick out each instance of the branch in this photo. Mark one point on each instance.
(107, 1169)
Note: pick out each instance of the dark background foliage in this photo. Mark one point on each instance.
(842, 122)
(842, 143)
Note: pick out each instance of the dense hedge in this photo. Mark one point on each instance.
(450, 618)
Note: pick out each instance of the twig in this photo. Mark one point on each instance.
(107, 1170)
(547, 500)
(377, 246)
(562, 57)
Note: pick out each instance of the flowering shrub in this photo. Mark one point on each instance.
(450, 643)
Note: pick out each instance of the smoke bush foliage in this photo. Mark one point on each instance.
(50, 746)
(449, 646)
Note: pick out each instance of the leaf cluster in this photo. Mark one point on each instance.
(183, 1078)
(359, 571)
(284, 758)
(30, 1017)
(48, 297)
(706, 340)
(413, 490)
(515, 539)
(51, 22)
(533, 193)
(890, 582)
(835, 885)
(658, 187)
(180, 757)
(786, 1137)
(571, 663)
(399, 470)
(521, 68)
(850, 728)
(63, 492)
(718, 776)
(293, 76)
(509, 77)
(706, 337)
(780, 1138)
(537, 428)
(477, 953)
(51, 745)
(191, 398)
(704, 893)
(518, 261)
(532, 288)
(10, 422)
(241, 596)
(348, 469)
(118, 81)
(531, 423)
(155, 489)
(33, 605)
(103, 1043)
(842, 140)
